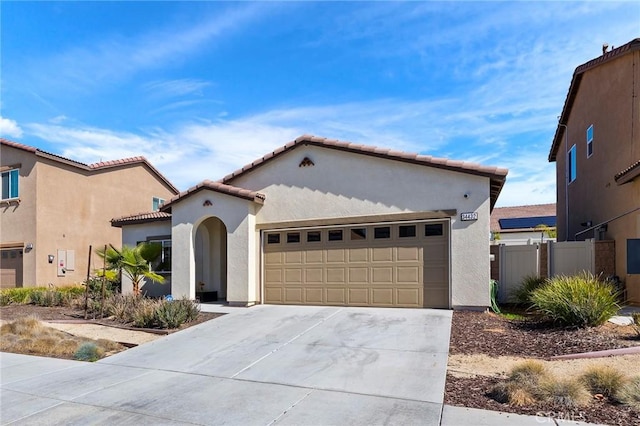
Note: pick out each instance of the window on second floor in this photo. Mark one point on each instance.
(10, 184)
(571, 164)
(590, 141)
(157, 203)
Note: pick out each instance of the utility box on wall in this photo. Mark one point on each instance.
(66, 262)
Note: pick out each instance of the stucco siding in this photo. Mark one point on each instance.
(341, 184)
(18, 221)
(606, 100)
(236, 214)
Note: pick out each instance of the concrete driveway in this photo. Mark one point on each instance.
(263, 365)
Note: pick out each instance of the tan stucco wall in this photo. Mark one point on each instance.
(18, 221)
(606, 100)
(342, 184)
(66, 208)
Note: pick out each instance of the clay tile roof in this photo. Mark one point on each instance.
(17, 145)
(534, 210)
(140, 218)
(91, 167)
(632, 46)
(628, 174)
(496, 175)
(217, 187)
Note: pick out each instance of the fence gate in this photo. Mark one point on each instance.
(571, 257)
(516, 262)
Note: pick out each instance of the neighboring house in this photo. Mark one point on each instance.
(596, 148)
(523, 224)
(53, 208)
(325, 222)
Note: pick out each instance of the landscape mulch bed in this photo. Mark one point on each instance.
(60, 313)
(494, 335)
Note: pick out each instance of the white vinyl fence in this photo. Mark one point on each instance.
(563, 258)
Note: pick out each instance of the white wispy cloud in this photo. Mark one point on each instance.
(10, 128)
(89, 66)
(177, 87)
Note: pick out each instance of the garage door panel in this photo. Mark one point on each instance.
(382, 275)
(293, 275)
(436, 298)
(336, 256)
(382, 254)
(313, 256)
(273, 258)
(313, 295)
(313, 275)
(337, 296)
(358, 255)
(396, 269)
(274, 276)
(409, 297)
(293, 257)
(410, 254)
(359, 275)
(336, 275)
(436, 274)
(293, 295)
(274, 294)
(382, 296)
(358, 296)
(408, 274)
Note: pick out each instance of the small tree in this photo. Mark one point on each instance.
(549, 230)
(134, 262)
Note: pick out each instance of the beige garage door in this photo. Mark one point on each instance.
(401, 264)
(11, 268)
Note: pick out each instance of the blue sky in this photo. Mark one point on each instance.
(202, 88)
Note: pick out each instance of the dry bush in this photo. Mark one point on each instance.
(569, 393)
(523, 385)
(629, 393)
(29, 336)
(603, 380)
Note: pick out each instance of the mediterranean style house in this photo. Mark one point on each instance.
(325, 222)
(596, 149)
(519, 225)
(53, 208)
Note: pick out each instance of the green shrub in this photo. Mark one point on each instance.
(144, 313)
(16, 296)
(88, 352)
(629, 393)
(603, 380)
(580, 300)
(55, 296)
(528, 284)
(49, 298)
(172, 314)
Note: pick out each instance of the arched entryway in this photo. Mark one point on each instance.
(210, 250)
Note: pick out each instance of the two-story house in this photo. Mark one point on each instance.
(53, 208)
(596, 149)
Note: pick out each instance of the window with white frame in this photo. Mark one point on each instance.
(10, 184)
(571, 164)
(157, 203)
(590, 141)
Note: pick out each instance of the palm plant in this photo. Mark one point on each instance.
(134, 262)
